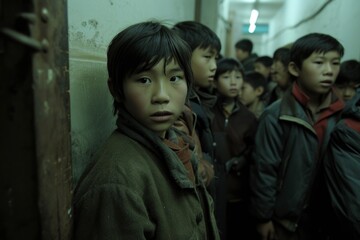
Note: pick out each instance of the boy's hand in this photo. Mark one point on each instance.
(266, 231)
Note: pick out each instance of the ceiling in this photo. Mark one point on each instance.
(240, 9)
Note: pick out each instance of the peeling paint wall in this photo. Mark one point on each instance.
(92, 24)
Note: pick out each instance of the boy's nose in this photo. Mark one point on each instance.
(160, 93)
(329, 68)
(213, 65)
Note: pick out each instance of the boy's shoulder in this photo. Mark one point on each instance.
(116, 154)
(119, 159)
(274, 108)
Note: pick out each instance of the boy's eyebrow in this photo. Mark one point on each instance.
(174, 69)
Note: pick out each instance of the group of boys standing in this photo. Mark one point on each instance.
(176, 142)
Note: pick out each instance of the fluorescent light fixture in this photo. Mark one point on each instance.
(253, 17)
(252, 28)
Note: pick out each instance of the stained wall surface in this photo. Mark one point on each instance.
(337, 18)
(92, 24)
(297, 18)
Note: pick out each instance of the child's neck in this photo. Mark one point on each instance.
(228, 105)
(253, 106)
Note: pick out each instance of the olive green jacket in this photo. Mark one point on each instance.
(137, 188)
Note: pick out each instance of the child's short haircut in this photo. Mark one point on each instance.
(198, 35)
(282, 54)
(139, 48)
(265, 60)
(313, 43)
(349, 73)
(245, 45)
(227, 64)
(256, 80)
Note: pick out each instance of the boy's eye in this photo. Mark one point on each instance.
(176, 78)
(144, 80)
(318, 62)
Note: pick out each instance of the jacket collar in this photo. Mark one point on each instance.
(133, 129)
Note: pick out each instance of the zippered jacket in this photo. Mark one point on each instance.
(286, 159)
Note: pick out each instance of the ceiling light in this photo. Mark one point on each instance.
(254, 15)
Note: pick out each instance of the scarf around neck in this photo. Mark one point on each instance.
(173, 150)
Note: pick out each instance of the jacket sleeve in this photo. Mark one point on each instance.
(264, 168)
(342, 169)
(110, 212)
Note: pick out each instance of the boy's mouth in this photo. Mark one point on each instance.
(326, 83)
(161, 116)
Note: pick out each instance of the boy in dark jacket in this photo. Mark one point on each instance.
(342, 169)
(244, 53)
(280, 75)
(288, 197)
(205, 46)
(143, 183)
(234, 128)
(348, 80)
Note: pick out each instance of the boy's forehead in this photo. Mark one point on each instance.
(332, 53)
(210, 49)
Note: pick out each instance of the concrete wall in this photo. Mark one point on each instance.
(92, 24)
(338, 18)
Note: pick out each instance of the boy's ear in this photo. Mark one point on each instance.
(259, 91)
(293, 69)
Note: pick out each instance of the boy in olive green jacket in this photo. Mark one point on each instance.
(143, 183)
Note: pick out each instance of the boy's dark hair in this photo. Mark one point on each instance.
(256, 80)
(349, 72)
(139, 48)
(227, 64)
(197, 35)
(313, 43)
(245, 45)
(282, 54)
(265, 60)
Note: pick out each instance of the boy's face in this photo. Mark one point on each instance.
(229, 83)
(156, 97)
(203, 64)
(262, 69)
(280, 74)
(318, 72)
(248, 94)
(241, 54)
(346, 91)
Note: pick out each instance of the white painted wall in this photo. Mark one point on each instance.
(92, 24)
(339, 19)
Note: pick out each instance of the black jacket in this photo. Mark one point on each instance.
(343, 171)
(286, 160)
